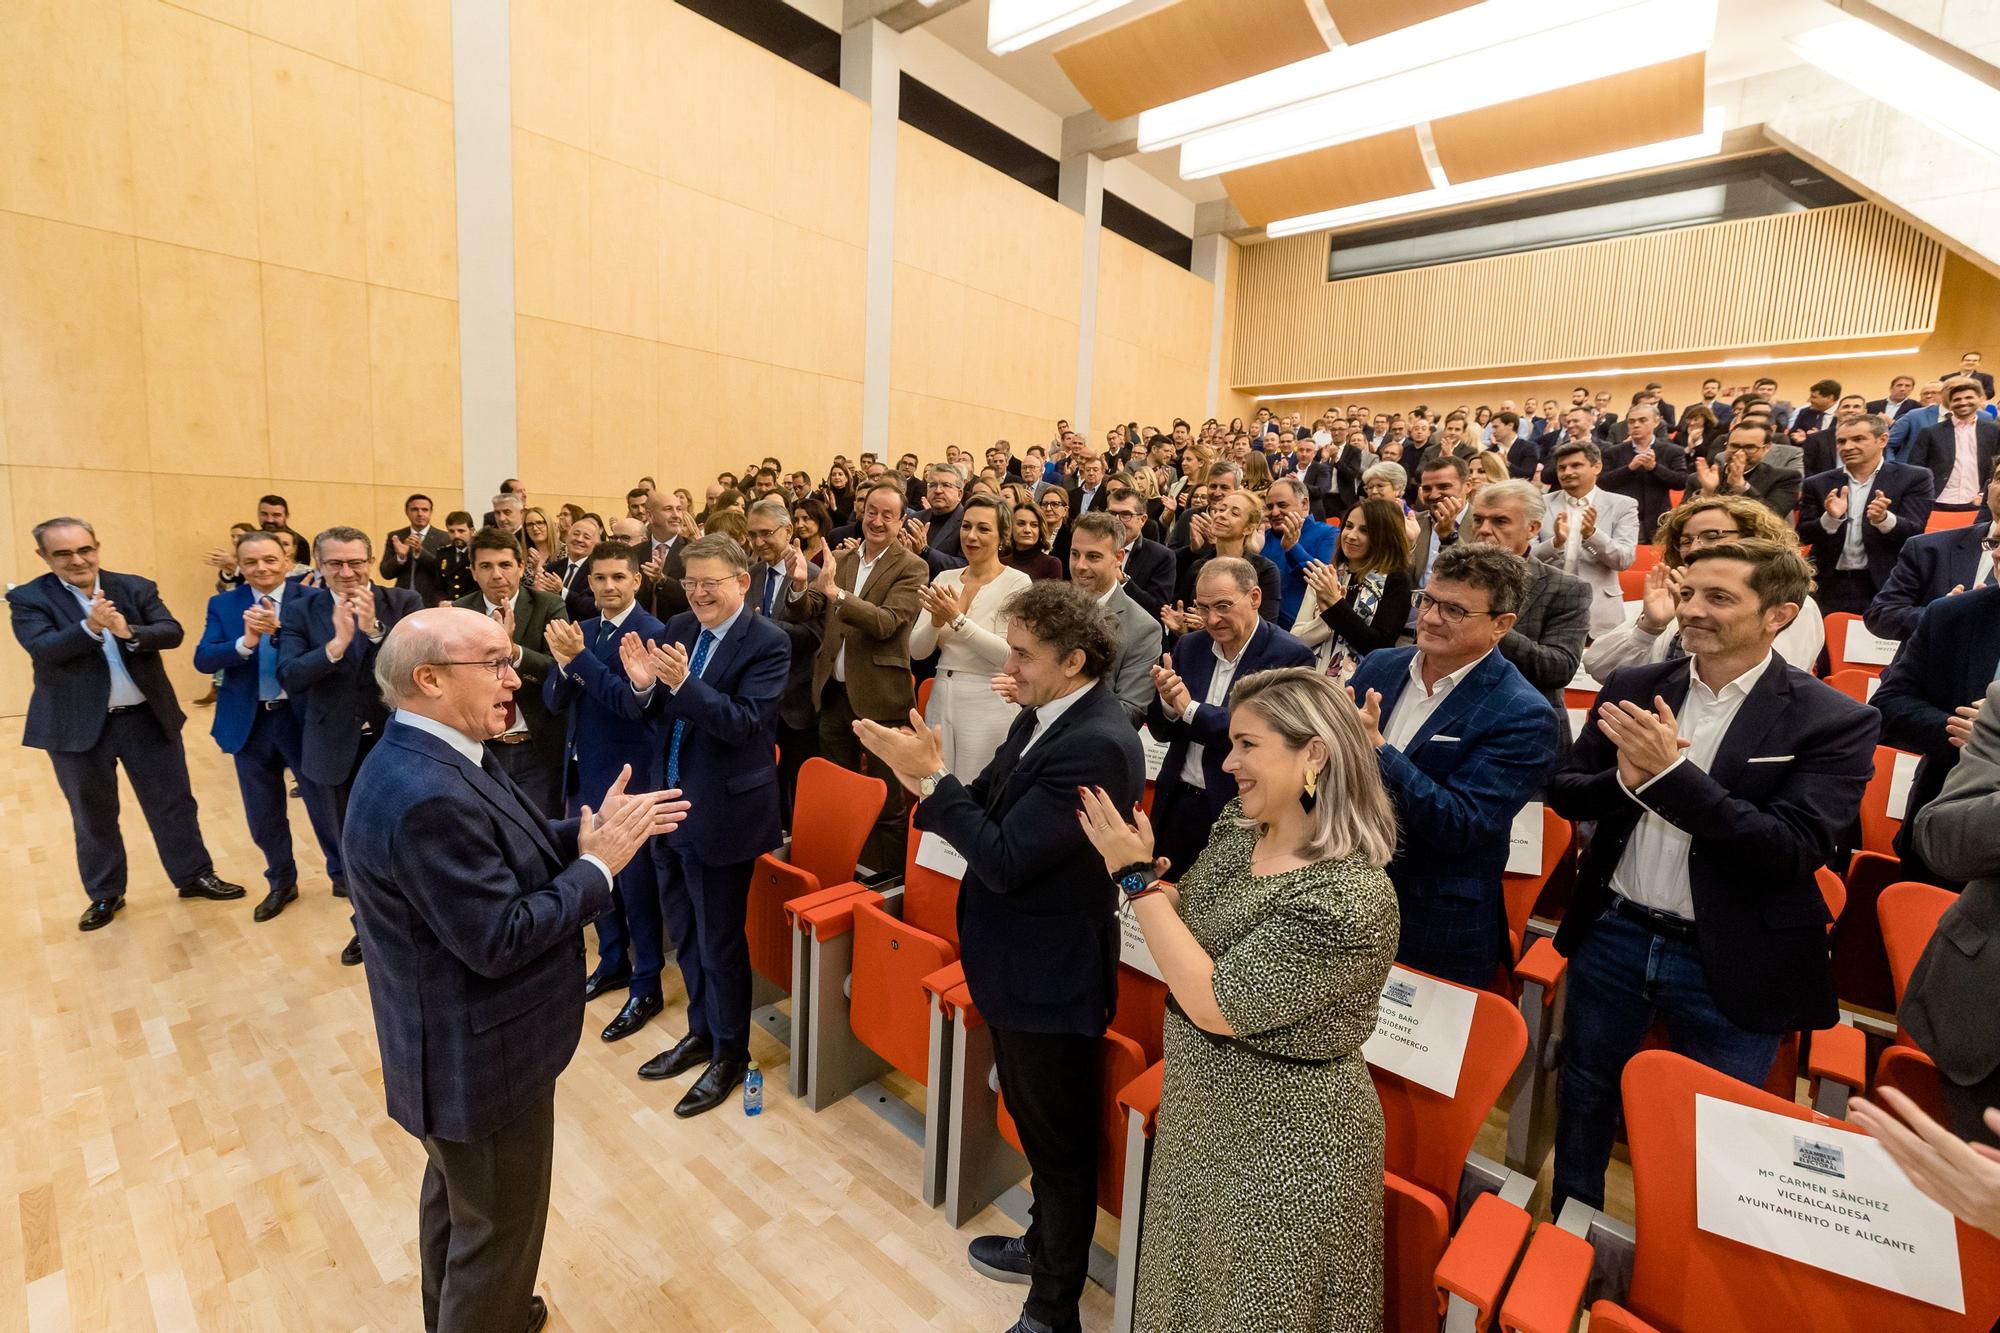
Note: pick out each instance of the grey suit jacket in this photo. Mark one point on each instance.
(1954, 991)
(1546, 642)
(1139, 640)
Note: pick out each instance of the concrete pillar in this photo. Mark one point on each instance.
(1211, 262)
(870, 69)
(482, 118)
(1080, 186)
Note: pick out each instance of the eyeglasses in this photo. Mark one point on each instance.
(501, 667)
(1449, 612)
(1221, 608)
(351, 566)
(704, 586)
(1689, 541)
(80, 553)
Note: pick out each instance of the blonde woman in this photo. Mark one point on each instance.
(964, 625)
(1264, 1203)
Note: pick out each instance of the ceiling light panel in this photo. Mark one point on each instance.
(1014, 24)
(1913, 81)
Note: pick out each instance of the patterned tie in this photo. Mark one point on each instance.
(701, 651)
(267, 659)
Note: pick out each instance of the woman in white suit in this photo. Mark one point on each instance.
(964, 625)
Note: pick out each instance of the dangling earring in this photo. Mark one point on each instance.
(1312, 788)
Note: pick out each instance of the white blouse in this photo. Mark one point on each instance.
(982, 645)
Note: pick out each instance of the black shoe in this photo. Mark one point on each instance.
(98, 915)
(1027, 1323)
(213, 887)
(351, 955)
(274, 902)
(340, 888)
(638, 1011)
(206, 700)
(712, 1089)
(538, 1314)
(686, 1054)
(606, 979)
(1002, 1258)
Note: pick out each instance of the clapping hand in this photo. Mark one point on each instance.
(1370, 711)
(653, 568)
(1708, 478)
(797, 568)
(912, 753)
(1119, 843)
(635, 657)
(670, 664)
(362, 605)
(1962, 1176)
(945, 603)
(825, 581)
(219, 558)
(565, 640)
(1445, 512)
(259, 621)
(1198, 531)
(1289, 528)
(1648, 742)
(1878, 509)
(916, 535)
(1329, 585)
(1178, 619)
(401, 545)
(106, 618)
(1007, 688)
(1173, 691)
(1958, 727)
(1589, 522)
(614, 833)
(1659, 599)
(547, 582)
(1836, 503)
(343, 625)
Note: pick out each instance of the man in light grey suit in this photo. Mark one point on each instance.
(1093, 568)
(1589, 533)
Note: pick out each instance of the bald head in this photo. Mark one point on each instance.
(452, 666)
(632, 532)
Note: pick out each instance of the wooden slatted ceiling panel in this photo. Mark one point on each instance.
(1853, 271)
(1359, 20)
(1659, 102)
(1380, 167)
(1187, 48)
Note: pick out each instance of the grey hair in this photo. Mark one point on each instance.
(1237, 570)
(243, 539)
(1877, 424)
(1351, 812)
(61, 522)
(776, 510)
(413, 641)
(1293, 484)
(504, 499)
(342, 534)
(1522, 495)
(1394, 473)
(718, 546)
(1221, 466)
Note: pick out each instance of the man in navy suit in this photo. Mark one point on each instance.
(326, 662)
(472, 903)
(1902, 399)
(410, 555)
(1719, 783)
(713, 683)
(1037, 916)
(569, 576)
(1464, 741)
(1854, 520)
(608, 730)
(1959, 450)
(254, 721)
(770, 531)
(1146, 568)
(1646, 468)
(1228, 639)
(1932, 694)
(1936, 565)
(102, 699)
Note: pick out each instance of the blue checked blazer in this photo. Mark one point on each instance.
(1476, 761)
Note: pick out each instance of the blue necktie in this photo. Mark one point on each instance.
(267, 661)
(770, 591)
(701, 650)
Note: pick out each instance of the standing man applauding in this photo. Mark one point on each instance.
(472, 905)
(1038, 922)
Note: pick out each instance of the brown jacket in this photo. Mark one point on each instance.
(873, 625)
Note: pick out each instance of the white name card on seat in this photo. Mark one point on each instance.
(1874, 684)
(1421, 1027)
(1133, 951)
(1865, 649)
(1583, 681)
(934, 853)
(1902, 774)
(1823, 1196)
(1524, 856)
(1156, 754)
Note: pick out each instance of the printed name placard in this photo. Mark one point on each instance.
(1133, 951)
(1902, 774)
(1579, 718)
(1822, 1196)
(1868, 649)
(1156, 754)
(1421, 1027)
(1583, 681)
(1524, 856)
(934, 853)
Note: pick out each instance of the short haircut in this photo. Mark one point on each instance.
(412, 642)
(957, 476)
(1763, 428)
(46, 524)
(492, 539)
(1224, 468)
(1447, 462)
(613, 550)
(1957, 382)
(638, 493)
(773, 508)
(1098, 524)
(1512, 418)
(1234, 568)
(894, 487)
(1120, 494)
(1778, 572)
(1522, 495)
(277, 500)
(1069, 620)
(1003, 514)
(408, 500)
(243, 539)
(458, 518)
(1826, 388)
(717, 546)
(1292, 484)
(506, 500)
(1499, 572)
(1395, 474)
(1877, 424)
(1569, 447)
(341, 533)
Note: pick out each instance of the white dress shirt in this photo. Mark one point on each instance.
(1415, 704)
(474, 753)
(1859, 491)
(125, 692)
(1653, 872)
(864, 566)
(1046, 714)
(494, 612)
(1219, 682)
(719, 633)
(244, 648)
(615, 622)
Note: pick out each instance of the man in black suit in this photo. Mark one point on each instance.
(495, 517)
(102, 698)
(1959, 450)
(1968, 368)
(770, 530)
(1546, 642)
(1647, 467)
(1746, 468)
(1818, 413)
(473, 906)
(1854, 520)
(568, 576)
(1523, 456)
(1902, 398)
(665, 539)
(1087, 493)
(1818, 450)
(326, 661)
(274, 514)
(659, 597)
(1145, 568)
(1038, 920)
(531, 746)
(410, 555)
(1719, 784)
(1931, 695)
(932, 532)
(1936, 565)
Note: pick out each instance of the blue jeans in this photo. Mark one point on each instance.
(1621, 980)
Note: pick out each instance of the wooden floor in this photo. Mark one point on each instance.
(194, 1135)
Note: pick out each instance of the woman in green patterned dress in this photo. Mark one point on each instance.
(1264, 1207)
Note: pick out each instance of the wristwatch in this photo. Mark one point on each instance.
(1134, 880)
(927, 785)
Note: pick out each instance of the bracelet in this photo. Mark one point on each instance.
(1147, 892)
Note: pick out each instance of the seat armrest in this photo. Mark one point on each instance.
(954, 997)
(1482, 1255)
(1542, 966)
(830, 913)
(1547, 1292)
(1611, 1317)
(1142, 1094)
(1840, 1053)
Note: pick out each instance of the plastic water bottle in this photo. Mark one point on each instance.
(753, 1090)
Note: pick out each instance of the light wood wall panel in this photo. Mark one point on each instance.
(1152, 339)
(1185, 48)
(228, 258)
(1852, 271)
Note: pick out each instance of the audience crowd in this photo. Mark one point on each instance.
(1351, 638)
